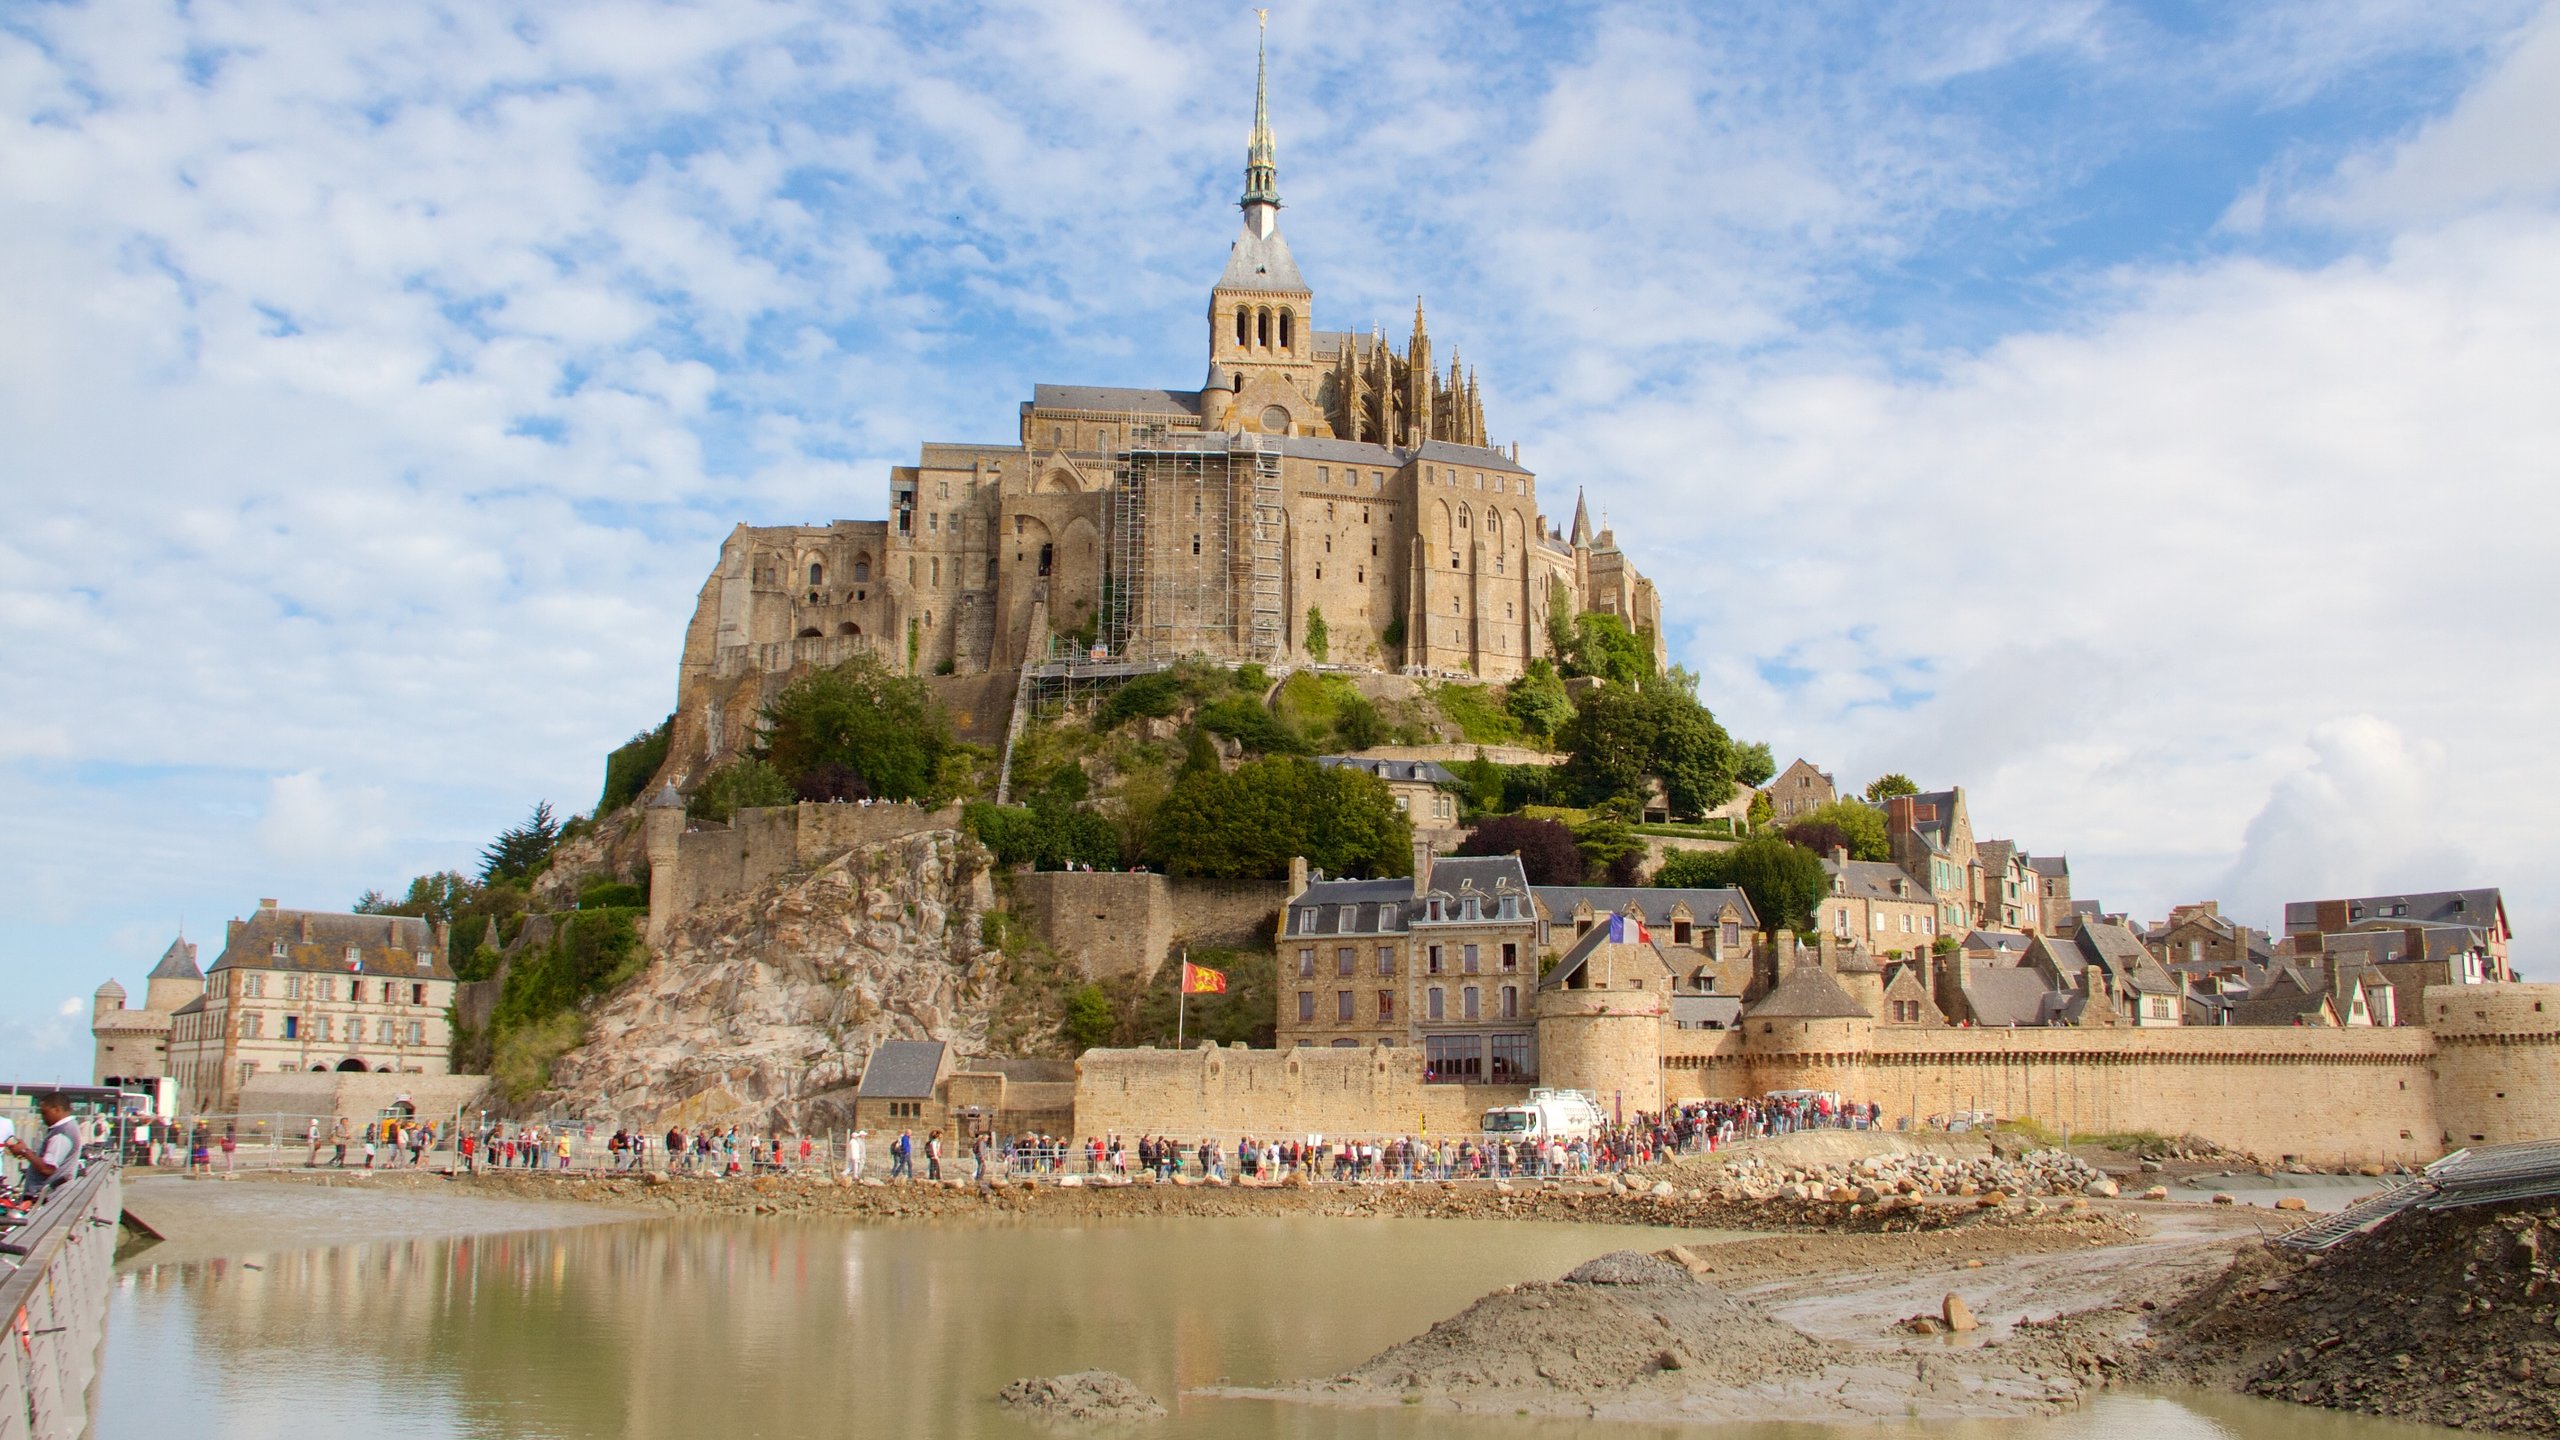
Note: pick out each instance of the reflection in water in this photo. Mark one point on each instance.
(731, 1328)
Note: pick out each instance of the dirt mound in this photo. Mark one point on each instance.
(1086, 1395)
(1619, 1321)
(2447, 1318)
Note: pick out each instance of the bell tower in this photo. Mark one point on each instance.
(1262, 355)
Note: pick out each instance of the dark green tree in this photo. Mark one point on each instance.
(745, 783)
(1089, 1021)
(1692, 753)
(881, 726)
(1753, 764)
(520, 850)
(1248, 822)
(629, 767)
(1538, 700)
(1357, 723)
(1603, 646)
(1784, 882)
(1609, 744)
(1319, 639)
(1611, 852)
(1887, 787)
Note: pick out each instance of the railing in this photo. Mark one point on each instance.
(55, 1303)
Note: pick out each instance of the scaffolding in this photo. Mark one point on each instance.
(1192, 561)
(1265, 618)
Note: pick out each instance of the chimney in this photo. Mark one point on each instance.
(1297, 876)
(266, 905)
(231, 935)
(1421, 865)
(1840, 857)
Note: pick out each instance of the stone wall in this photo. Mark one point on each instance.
(2497, 1061)
(1281, 1094)
(716, 863)
(289, 1100)
(1116, 923)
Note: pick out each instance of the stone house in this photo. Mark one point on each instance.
(2201, 943)
(2011, 898)
(2053, 890)
(1907, 1000)
(1876, 905)
(133, 1043)
(1424, 790)
(313, 990)
(2110, 961)
(2481, 910)
(1932, 839)
(1711, 937)
(902, 1089)
(1446, 960)
(1799, 788)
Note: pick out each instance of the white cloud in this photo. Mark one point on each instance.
(2365, 816)
(70, 1007)
(2494, 149)
(307, 819)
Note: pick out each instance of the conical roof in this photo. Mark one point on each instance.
(178, 962)
(1809, 993)
(111, 988)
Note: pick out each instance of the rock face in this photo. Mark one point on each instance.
(759, 1005)
(1086, 1395)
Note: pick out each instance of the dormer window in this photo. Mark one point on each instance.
(1306, 921)
(1471, 908)
(355, 956)
(276, 950)
(1435, 907)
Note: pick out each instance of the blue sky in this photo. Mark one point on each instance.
(2136, 414)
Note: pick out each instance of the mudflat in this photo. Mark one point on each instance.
(256, 1213)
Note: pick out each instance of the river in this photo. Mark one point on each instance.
(735, 1328)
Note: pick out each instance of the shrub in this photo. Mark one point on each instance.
(1248, 822)
(1319, 639)
(745, 783)
(1478, 712)
(1247, 723)
(1546, 847)
(1150, 697)
(631, 764)
(607, 893)
(1089, 1020)
(861, 715)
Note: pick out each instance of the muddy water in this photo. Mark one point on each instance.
(678, 1328)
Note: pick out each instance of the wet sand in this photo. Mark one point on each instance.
(255, 1214)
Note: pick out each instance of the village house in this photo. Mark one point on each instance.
(2482, 913)
(2010, 898)
(1423, 789)
(1876, 905)
(1932, 839)
(1798, 789)
(2111, 960)
(314, 990)
(2053, 890)
(2207, 947)
(1710, 937)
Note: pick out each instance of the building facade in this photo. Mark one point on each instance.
(1312, 472)
(310, 990)
(133, 1043)
(1798, 789)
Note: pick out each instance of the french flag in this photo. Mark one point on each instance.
(1622, 930)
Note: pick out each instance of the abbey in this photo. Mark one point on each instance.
(1316, 482)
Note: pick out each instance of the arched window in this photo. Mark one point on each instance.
(817, 574)
(937, 569)
(862, 569)
(1284, 329)
(848, 628)
(810, 633)
(1262, 329)
(991, 569)
(1242, 323)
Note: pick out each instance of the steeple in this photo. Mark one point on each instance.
(1581, 535)
(1261, 200)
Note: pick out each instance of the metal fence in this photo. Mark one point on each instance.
(55, 1301)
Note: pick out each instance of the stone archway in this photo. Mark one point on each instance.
(352, 1066)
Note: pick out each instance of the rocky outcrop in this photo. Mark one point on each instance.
(757, 1008)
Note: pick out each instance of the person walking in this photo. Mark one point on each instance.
(902, 1153)
(312, 1161)
(230, 1143)
(933, 1156)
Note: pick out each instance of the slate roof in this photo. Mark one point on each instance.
(2283, 1002)
(1262, 263)
(901, 1070)
(2483, 907)
(1808, 993)
(2001, 995)
(2049, 865)
(178, 962)
(318, 941)
(1426, 772)
(1572, 962)
(1996, 854)
(1875, 880)
(1115, 399)
(2124, 955)
(2002, 942)
(1389, 907)
(1653, 904)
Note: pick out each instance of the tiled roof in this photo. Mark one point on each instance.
(2483, 907)
(1808, 993)
(1263, 263)
(901, 1070)
(1655, 905)
(1115, 399)
(318, 941)
(1426, 772)
(2002, 995)
(178, 962)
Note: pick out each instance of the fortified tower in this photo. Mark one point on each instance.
(1809, 1034)
(1601, 1014)
(2497, 1050)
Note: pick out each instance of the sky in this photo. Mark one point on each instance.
(2141, 415)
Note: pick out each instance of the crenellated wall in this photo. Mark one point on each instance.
(1277, 1094)
(691, 868)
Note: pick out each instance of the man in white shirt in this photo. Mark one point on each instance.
(57, 1157)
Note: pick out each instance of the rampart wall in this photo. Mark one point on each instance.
(717, 862)
(290, 1100)
(1118, 923)
(1312, 1090)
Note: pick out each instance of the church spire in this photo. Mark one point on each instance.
(1261, 167)
(1581, 535)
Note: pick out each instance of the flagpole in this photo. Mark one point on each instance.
(1182, 996)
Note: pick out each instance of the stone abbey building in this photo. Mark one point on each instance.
(1312, 471)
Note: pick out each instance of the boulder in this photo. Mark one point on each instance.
(2156, 1192)
(2101, 1188)
(2291, 1202)
(1957, 1314)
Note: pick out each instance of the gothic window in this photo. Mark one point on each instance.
(862, 570)
(817, 574)
(1284, 329)
(1466, 520)
(1262, 329)
(937, 569)
(1241, 340)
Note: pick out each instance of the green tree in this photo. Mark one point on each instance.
(1250, 724)
(1148, 696)
(1861, 828)
(1611, 852)
(1484, 782)
(1357, 723)
(1753, 764)
(1319, 640)
(1538, 700)
(1609, 746)
(1248, 822)
(520, 851)
(1602, 645)
(1784, 882)
(1559, 619)
(745, 783)
(1887, 787)
(631, 764)
(1620, 738)
(1089, 1021)
(861, 715)
(1692, 753)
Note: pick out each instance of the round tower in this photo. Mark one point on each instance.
(109, 997)
(1809, 1034)
(1604, 1042)
(2497, 1068)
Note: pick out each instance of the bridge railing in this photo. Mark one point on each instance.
(54, 1303)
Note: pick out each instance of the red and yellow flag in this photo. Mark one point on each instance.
(1201, 980)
